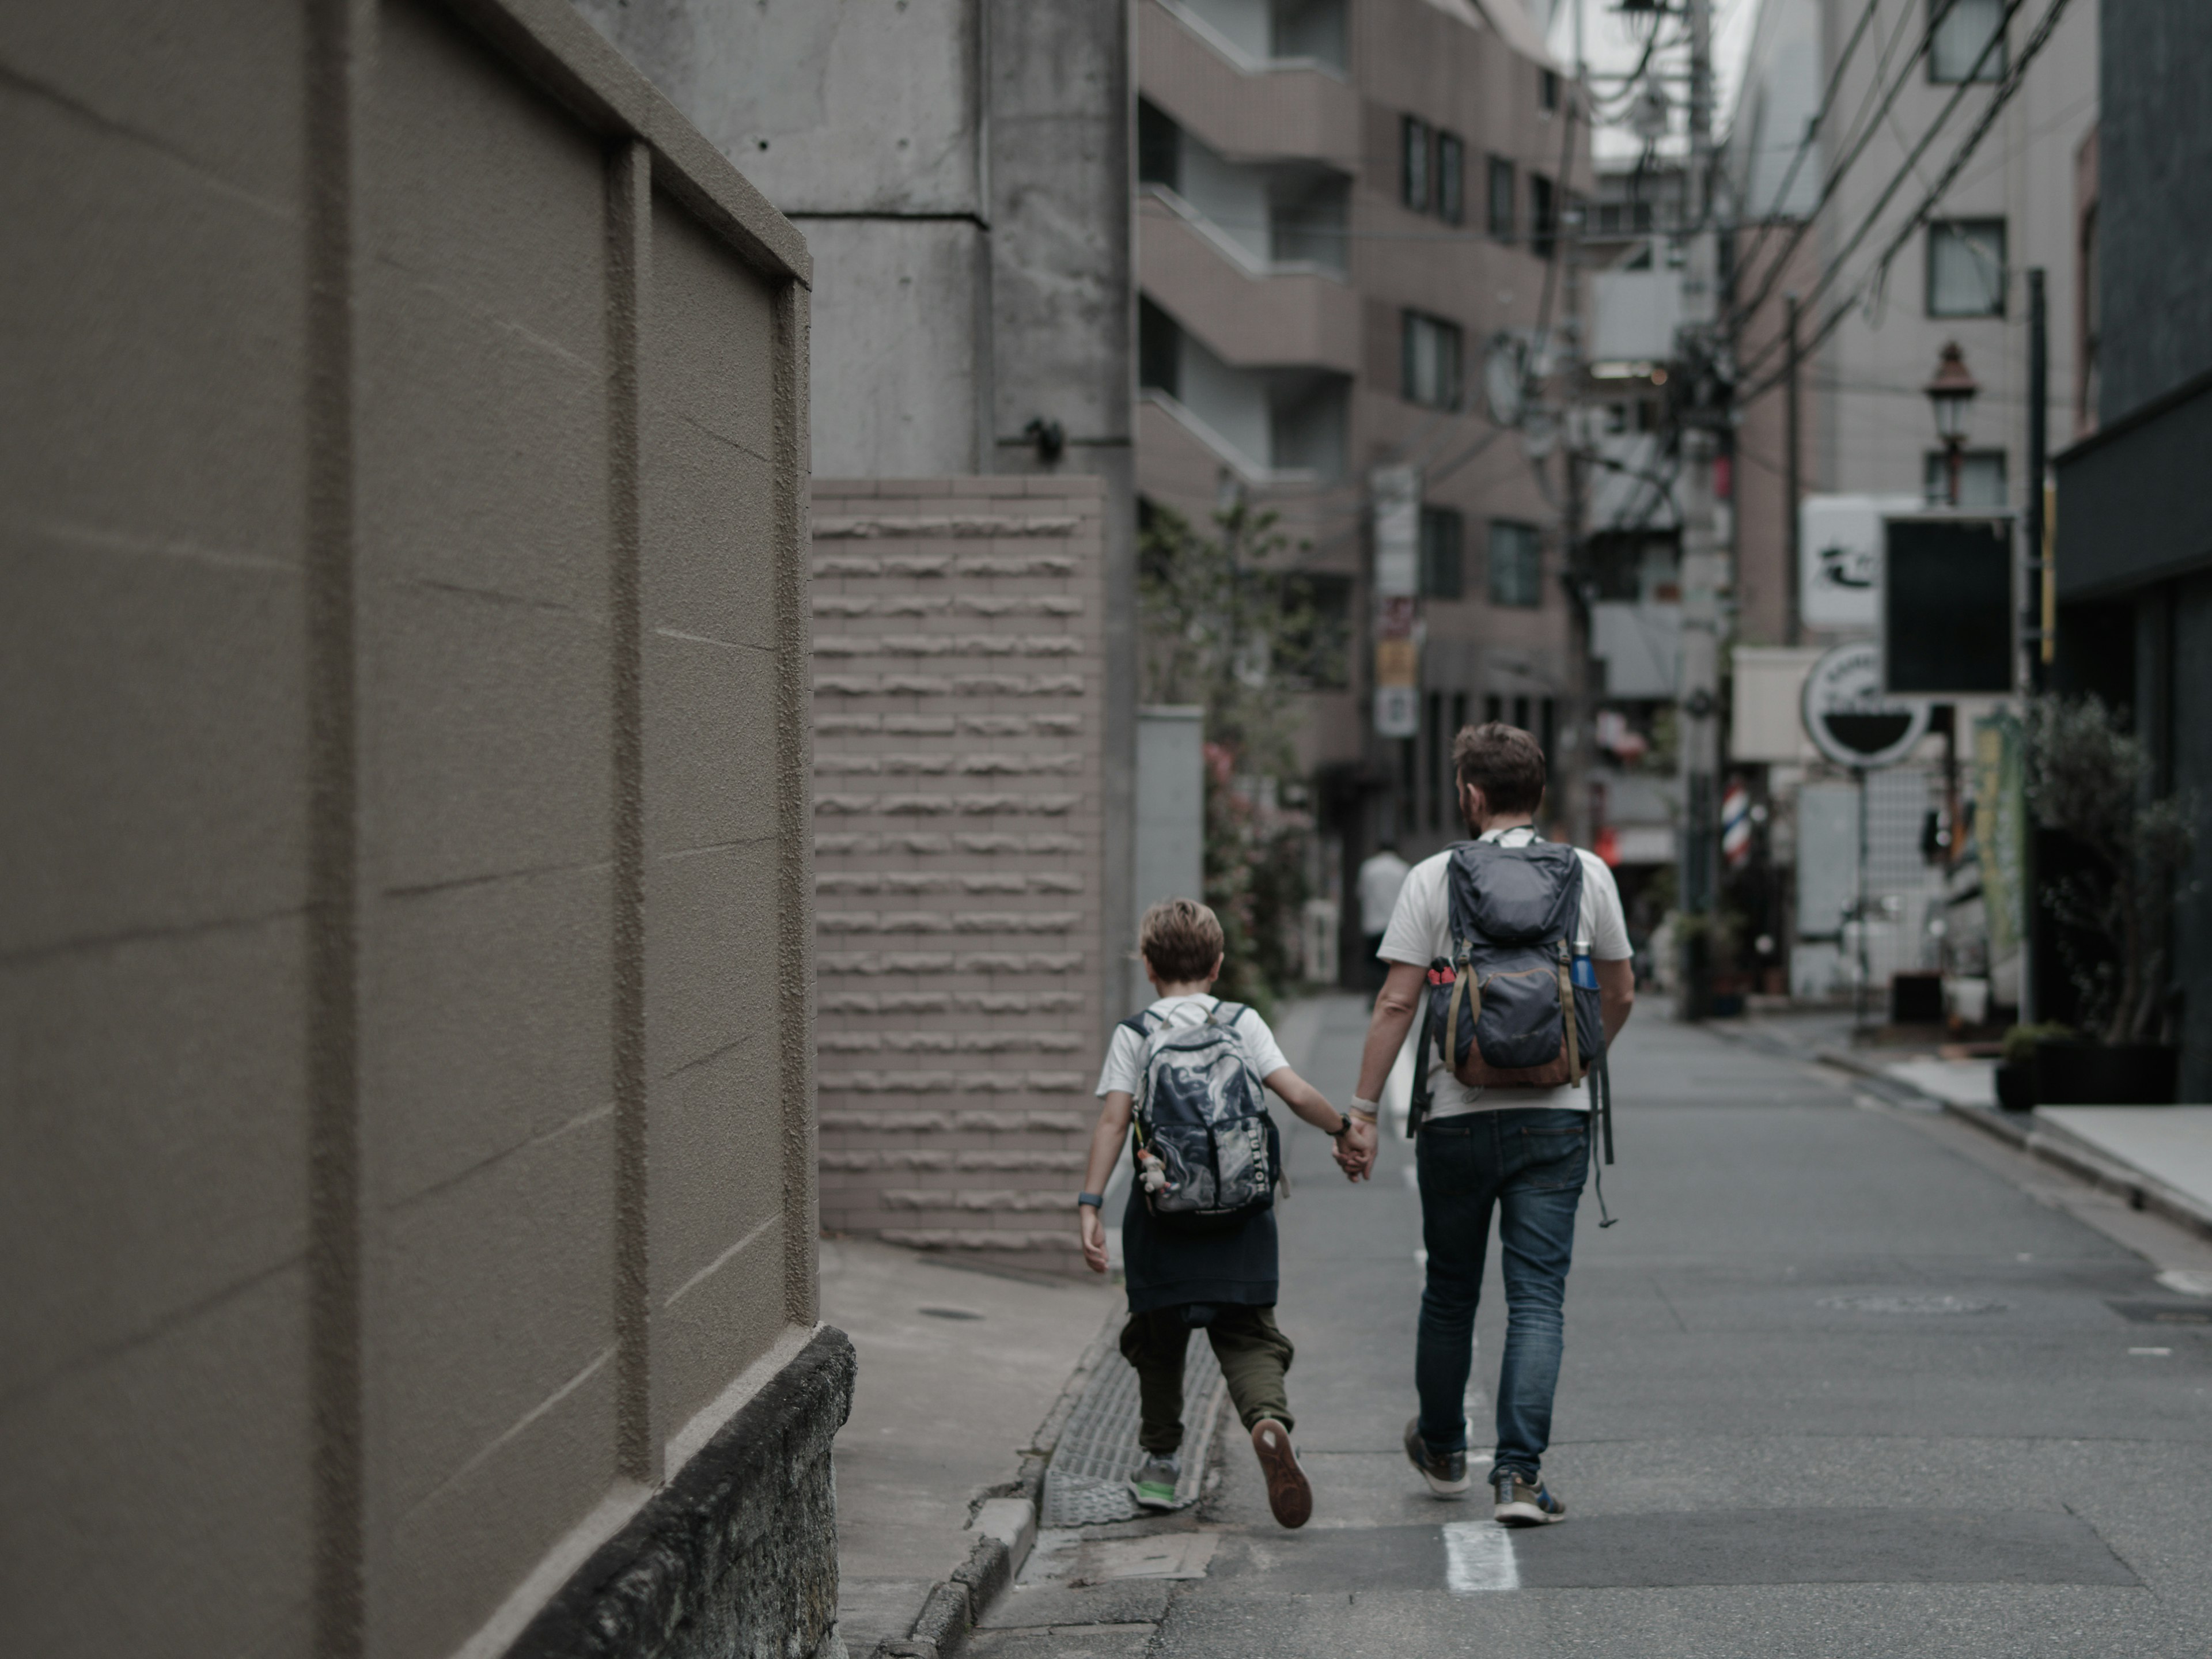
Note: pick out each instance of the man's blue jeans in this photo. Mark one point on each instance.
(1529, 1163)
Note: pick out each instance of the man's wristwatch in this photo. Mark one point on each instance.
(1094, 1200)
(1370, 1110)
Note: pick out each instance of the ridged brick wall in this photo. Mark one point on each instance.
(957, 696)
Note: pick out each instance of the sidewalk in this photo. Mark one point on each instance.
(2158, 1157)
(959, 1368)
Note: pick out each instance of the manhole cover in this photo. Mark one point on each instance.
(1894, 1302)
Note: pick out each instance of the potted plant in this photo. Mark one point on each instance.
(2016, 1066)
(2088, 778)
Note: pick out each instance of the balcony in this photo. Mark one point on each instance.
(1198, 63)
(1197, 414)
(1251, 312)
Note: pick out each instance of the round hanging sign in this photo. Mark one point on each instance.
(1850, 718)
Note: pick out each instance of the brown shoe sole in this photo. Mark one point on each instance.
(1289, 1496)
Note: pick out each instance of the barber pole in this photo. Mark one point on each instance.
(1736, 826)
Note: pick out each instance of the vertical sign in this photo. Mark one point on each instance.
(2000, 832)
(1397, 492)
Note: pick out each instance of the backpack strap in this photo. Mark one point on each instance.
(1461, 986)
(1567, 1015)
(1233, 1011)
(1424, 1091)
(1136, 1023)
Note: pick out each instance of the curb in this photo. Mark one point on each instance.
(1005, 1519)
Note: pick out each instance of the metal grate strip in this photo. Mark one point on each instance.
(1087, 1484)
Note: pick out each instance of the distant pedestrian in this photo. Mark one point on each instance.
(1521, 1150)
(1379, 881)
(1198, 1236)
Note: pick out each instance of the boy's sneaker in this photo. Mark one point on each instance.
(1525, 1502)
(1445, 1472)
(1289, 1496)
(1154, 1484)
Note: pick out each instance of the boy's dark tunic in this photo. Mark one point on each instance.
(1235, 1268)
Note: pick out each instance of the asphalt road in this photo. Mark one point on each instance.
(1836, 1384)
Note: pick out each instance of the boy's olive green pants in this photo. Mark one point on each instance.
(1253, 1356)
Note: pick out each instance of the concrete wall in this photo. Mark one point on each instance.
(1170, 805)
(408, 1142)
(958, 815)
(962, 171)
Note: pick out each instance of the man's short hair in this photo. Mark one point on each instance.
(1504, 762)
(1180, 938)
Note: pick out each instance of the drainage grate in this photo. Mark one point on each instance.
(1087, 1483)
(1893, 1302)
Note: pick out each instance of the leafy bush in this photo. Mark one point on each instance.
(2020, 1041)
(2089, 778)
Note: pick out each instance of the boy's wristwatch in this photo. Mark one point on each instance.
(1094, 1200)
(1343, 1127)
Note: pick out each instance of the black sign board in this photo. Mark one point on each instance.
(1947, 614)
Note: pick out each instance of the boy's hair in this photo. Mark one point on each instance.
(1504, 762)
(1181, 940)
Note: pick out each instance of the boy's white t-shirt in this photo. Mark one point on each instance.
(1421, 931)
(1125, 1054)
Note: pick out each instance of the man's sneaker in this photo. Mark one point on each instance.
(1289, 1496)
(1154, 1484)
(1445, 1472)
(1524, 1503)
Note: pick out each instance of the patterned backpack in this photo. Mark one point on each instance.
(1201, 1114)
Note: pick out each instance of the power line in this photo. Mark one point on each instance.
(1856, 147)
(1835, 265)
(1957, 164)
(1812, 127)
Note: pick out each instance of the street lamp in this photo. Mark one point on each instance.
(1951, 394)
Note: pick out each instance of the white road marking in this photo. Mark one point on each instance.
(1479, 1557)
(2187, 1280)
(2151, 1351)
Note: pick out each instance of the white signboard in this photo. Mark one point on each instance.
(1397, 491)
(1397, 711)
(1850, 718)
(1840, 542)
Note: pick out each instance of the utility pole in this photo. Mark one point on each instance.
(1706, 575)
(1793, 487)
(1576, 740)
(2036, 618)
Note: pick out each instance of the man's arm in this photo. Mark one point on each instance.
(1394, 1008)
(1616, 994)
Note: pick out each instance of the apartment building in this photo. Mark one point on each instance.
(1341, 210)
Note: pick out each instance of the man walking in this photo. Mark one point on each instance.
(1522, 1151)
(1381, 878)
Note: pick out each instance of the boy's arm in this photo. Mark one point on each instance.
(1355, 1149)
(1105, 1150)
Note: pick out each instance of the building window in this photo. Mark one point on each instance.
(1516, 564)
(1493, 709)
(1159, 350)
(1451, 177)
(1413, 163)
(1501, 198)
(1543, 214)
(1959, 36)
(1430, 361)
(2087, 382)
(1548, 90)
(1981, 479)
(1440, 553)
(1966, 267)
(1159, 147)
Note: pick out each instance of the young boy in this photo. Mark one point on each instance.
(1223, 1281)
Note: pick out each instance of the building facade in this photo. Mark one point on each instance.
(407, 1163)
(1342, 210)
(962, 169)
(1887, 270)
(2134, 537)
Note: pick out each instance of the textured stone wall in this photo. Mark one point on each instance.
(957, 702)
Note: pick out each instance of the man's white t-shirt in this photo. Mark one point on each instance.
(1420, 931)
(1381, 879)
(1127, 1051)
